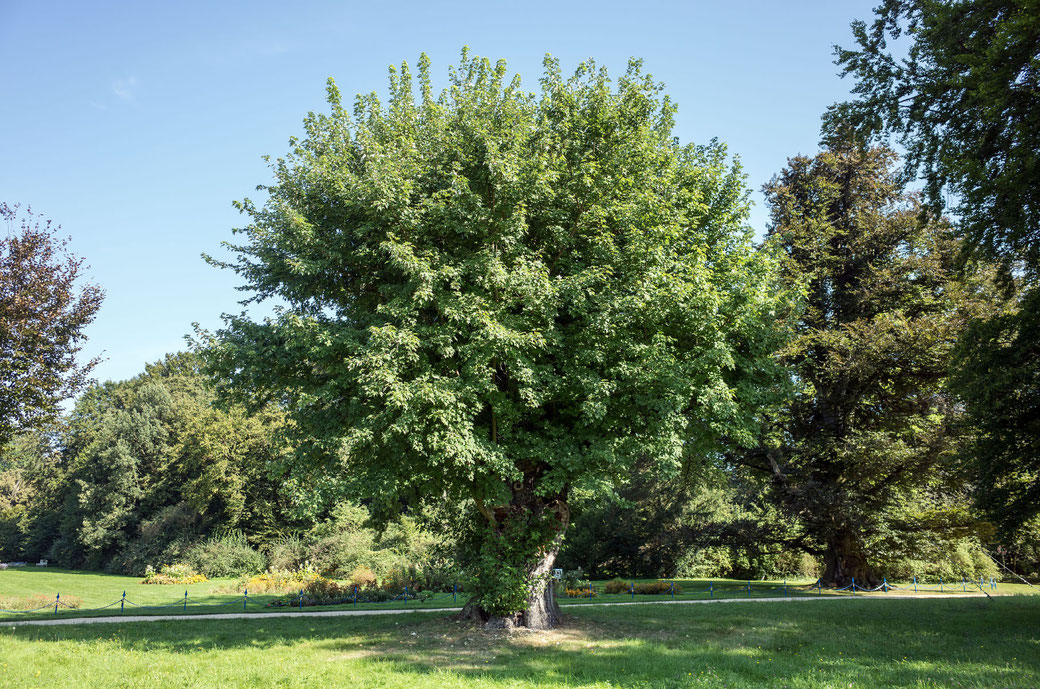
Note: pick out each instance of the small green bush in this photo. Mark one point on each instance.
(363, 577)
(287, 554)
(229, 555)
(656, 588)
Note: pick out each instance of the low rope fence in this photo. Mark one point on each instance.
(356, 596)
(943, 587)
(590, 591)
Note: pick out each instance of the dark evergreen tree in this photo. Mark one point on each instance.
(871, 423)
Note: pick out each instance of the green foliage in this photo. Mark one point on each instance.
(657, 588)
(963, 103)
(162, 539)
(145, 468)
(654, 523)
(499, 296)
(998, 378)
(43, 313)
(574, 579)
(871, 426)
(228, 555)
(288, 553)
(500, 563)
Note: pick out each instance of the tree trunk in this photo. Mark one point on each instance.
(526, 514)
(542, 611)
(845, 560)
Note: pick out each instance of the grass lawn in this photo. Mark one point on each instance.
(887, 643)
(96, 590)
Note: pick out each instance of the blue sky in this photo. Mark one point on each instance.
(134, 125)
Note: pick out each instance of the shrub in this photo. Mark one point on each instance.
(339, 554)
(440, 577)
(287, 554)
(164, 538)
(275, 581)
(574, 579)
(399, 578)
(616, 586)
(229, 555)
(705, 562)
(317, 590)
(172, 574)
(363, 577)
(656, 588)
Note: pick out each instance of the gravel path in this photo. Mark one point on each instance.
(359, 613)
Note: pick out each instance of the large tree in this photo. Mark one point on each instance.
(43, 311)
(871, 425)
(962, 100)
(998, 376)
(495, 296)
(957, 83)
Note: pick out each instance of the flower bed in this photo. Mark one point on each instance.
(173, 574)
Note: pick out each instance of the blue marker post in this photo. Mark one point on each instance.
(940, 585)
(748, 588)
(819, 586)
(785, 587)
(185, 601)
(711, 590)
(57, 598)
(454, 592)
(632, 589)
(122, 602)
(854, 586)
(885, 583)
(671, 590)
(245, 597)
(355, 595)
(964, 585)
(301, 599)
(406, 595)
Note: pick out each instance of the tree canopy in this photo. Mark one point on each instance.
(998, 377)
(870, 433)
(962, 100)
(43, 312)
(494, 296)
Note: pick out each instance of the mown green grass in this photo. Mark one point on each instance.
(967, 643)
(98, 589)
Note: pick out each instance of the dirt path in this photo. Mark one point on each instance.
(359, 613)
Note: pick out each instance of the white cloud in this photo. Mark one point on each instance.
(124, 89)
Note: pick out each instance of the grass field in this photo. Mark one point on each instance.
(888, 643)
(96, 590)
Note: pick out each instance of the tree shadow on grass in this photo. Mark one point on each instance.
(889, 643)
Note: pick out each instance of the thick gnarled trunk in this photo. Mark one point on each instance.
(845, 560)
(524, 535)
(542, 611)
